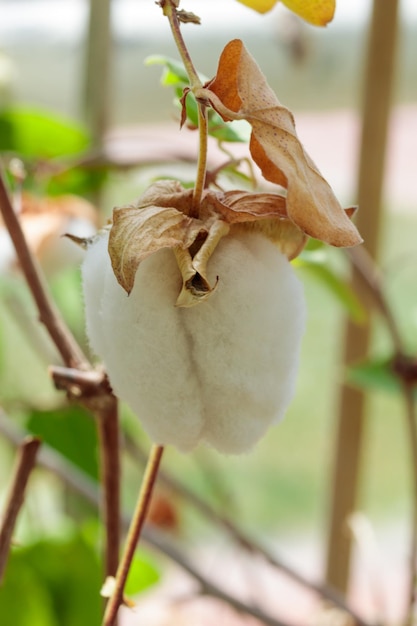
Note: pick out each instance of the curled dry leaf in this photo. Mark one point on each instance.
(160, 218)
(138, 233)
(240, 91)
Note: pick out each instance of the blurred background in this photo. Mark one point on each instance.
(282, 492)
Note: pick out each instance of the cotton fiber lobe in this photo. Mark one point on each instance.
(221, 371)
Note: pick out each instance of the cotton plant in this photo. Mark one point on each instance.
(194, 307)
(191, 299)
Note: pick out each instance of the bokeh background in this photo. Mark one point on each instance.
(280, 493)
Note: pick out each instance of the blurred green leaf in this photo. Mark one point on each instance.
(81, 181)
(35, 133)
(72, 432)
(174, 75)
(52, 583)
(317, 263)
(174, 72)
(142, 574)
(23, 596)
(374, 374)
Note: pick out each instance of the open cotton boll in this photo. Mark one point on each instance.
(221, 371)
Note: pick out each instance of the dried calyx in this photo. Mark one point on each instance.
(162, 217)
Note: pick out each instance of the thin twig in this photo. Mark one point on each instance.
(82, 484)
(134, 533)
(49, 315)
(170, 11)
(371, 276)
(408, 391)
(54, 462)
(92, 389)
(108, 429)
(159, 541)
(200, 181)
(25, 463)
(246, 542)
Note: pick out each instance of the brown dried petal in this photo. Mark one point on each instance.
(264, 213)
(138, 232)
(166, 193)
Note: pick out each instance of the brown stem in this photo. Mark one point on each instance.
(408, 390)
(370, 274)
(93, 390)
(200, 181)
(170, 11)
(134, 533)
(25, 463)
(108, 430)
(49, 315)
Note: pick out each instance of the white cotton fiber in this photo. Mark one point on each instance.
(221, 371)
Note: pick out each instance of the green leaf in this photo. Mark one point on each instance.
(143, 573)
(79, 181)
(23, 597)
(374, 374)
(72, 432)
(35, 133)
(52, 583)
(174, 72)
(316, 262)
(175, 75)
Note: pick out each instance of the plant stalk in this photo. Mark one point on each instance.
(137, 523)
(24, 465)
(49, 315)
(170, 12)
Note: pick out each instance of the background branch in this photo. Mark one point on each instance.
(25, 463)
(405, 369)
(246, 542)
(49, 315)
(87, 488)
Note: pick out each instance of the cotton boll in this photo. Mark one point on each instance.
(147, 352)
(221, 371)
(246, 341)
(94, 271)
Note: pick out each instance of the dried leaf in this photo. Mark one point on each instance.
(264, 213)
(137, 232)
(166, 193)
(195, 287)
(240, 91)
